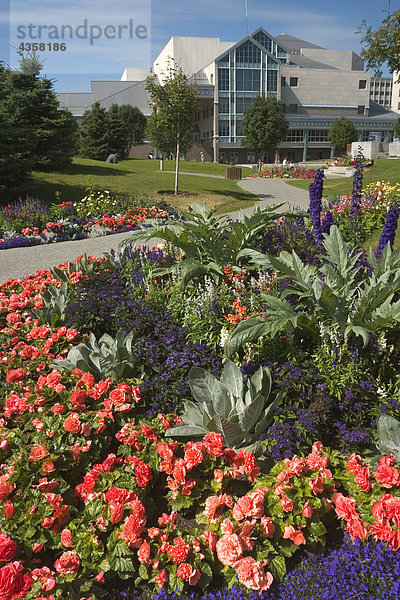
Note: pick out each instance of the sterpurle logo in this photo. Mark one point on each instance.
(94, 36)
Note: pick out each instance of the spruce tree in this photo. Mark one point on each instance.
(135, 121)
(117, 131)
(93, 133)
(264, 125)
(16, 142)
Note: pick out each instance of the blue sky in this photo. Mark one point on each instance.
(328, 24)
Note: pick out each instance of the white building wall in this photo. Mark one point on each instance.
(135, 74)
(326, 87)
(396, 93)
(192, 54)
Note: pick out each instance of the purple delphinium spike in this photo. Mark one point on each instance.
(327, 222)
(315, 193)
(390, 227)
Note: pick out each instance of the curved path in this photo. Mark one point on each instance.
(20, 262)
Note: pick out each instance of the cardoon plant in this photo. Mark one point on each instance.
(315, 193)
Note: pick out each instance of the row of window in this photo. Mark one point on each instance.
(248, 80)
(206, 114)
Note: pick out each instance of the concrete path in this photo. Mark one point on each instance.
(20, 262)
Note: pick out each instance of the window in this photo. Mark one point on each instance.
(248, 54)
(272, 81)
(294, 135)
(362, 84)
(294, 81)
(248, 80)
(360, 110)
(223, 79)
(265, 41)
(208, 113)
(223, 130)
(242, 104)
(283, 81)
(318, 135)
(223, 106)
(398, 106)
(292, 109)
(204, 114)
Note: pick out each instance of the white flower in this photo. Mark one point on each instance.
(223, 337)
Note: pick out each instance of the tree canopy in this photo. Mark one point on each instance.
(396, 129)
(264, 125)
(174, 102)
(341, 133)
(382, 45)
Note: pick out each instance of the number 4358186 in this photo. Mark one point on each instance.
(42, 47)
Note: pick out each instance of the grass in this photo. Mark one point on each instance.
(384, 169)
(136, 176)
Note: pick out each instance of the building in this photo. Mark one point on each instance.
(315, 86)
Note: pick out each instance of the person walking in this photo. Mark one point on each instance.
(202, 156)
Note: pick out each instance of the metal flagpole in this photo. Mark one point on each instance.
(246, 17)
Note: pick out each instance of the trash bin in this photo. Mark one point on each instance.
(233, 173)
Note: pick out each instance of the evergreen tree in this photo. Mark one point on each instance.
(31, 105)
(93, 133)
(174, 102)
(135, 122)
(341, 133)
(15, 146)
(116, 131)
(264, 125)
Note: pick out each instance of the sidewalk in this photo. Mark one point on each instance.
(19, 262)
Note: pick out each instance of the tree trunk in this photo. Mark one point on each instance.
(162, 161)
(177, 167)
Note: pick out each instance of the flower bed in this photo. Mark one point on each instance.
(30, 222)
(285, 173)
(95, 362)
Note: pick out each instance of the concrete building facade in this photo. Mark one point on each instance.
(315, 86)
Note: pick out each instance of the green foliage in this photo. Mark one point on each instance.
(107, 357)
(396, 129)
(389, 436)
(174, 102)
(31, 104)
(264, 125)
(341, 133)
(209, 243)
(239, 411)
(55, 300)
(382, 45)
(347, 301)
(135, 123)
(93, 133)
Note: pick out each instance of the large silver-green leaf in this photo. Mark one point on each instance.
(232, 377)
(231, 432)
(201, 384)
(389, 435)
(251, 414)
(189, 431)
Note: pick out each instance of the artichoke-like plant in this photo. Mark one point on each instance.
(239, 411)
(389, 436)
(346, 298)
(107, 357)
(210, 242)
(55, 300)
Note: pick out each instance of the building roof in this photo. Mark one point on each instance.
(304, 62)
(293, 43)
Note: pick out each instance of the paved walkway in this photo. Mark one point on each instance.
(20, 262)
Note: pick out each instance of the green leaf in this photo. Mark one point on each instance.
(231, 432)
(246, 331)
(232, 377)
(186, 431)
(389, 435)
(201, 384)
(277, 566)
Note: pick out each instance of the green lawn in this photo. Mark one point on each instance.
(384, 169)
(135, 176)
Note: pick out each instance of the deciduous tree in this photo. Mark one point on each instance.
(382, 45)
(171, 124)
(341, 133)
(264, 125)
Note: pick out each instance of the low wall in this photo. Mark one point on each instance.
(394, 149)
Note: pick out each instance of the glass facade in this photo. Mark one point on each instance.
(245, 72)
